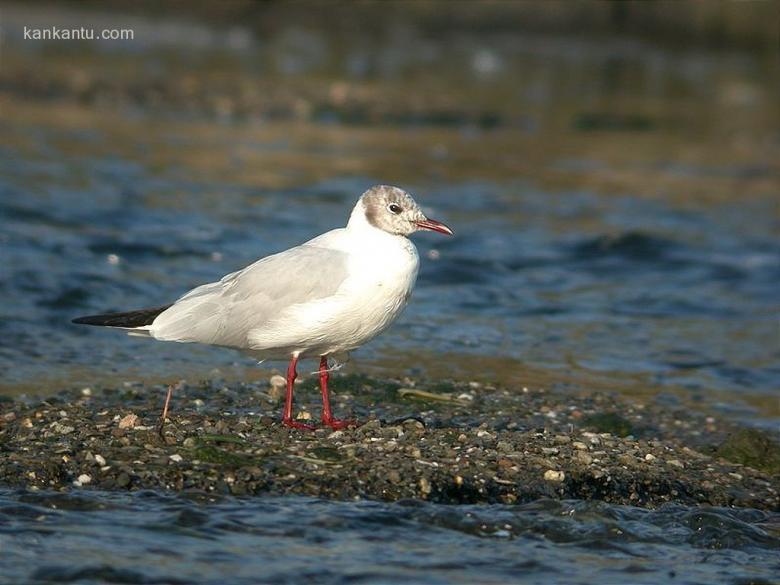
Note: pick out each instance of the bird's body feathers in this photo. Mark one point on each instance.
(323, 298)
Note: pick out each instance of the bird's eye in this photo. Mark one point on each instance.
(393, 208)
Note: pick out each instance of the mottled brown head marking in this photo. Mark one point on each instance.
(391, 209)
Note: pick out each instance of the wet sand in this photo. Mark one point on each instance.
(442, 442)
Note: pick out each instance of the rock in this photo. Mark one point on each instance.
(221, 448)
(552, 475)
(425, 486)
(278, 381)
(753, 448)
(82, 479)
(609, 422)
(62, 429)
(584, 458)
(123, 480)
(278, 387)
(128, 422)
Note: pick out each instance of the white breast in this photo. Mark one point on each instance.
(382, 276)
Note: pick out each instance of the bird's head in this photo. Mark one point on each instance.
(393, 210)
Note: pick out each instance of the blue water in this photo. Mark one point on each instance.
(146, 537)
(601, 238)
(616, 210)
(603, 287)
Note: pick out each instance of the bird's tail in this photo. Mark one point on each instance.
(127, 320)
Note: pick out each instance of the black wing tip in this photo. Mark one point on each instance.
(88, 320)
(139, 318)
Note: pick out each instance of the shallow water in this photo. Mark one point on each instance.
(146, 537)
(616, 211)
(539, 287)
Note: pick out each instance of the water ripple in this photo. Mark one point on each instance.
(160, 538)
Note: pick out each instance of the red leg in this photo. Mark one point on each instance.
(287, 419)
(327, 415)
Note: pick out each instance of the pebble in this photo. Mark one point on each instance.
(425, 486)
(277, 380)
(62, 429)
(583, 457)
(459, 457)
(278, 387)
(592, 437)
(82, 479)
(128, 421)
(552, 475)
(504, 446)
(370, 426)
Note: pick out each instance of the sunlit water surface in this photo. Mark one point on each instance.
(615, 206)
(151, 538)
(538, 287)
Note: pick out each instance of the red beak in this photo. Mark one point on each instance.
(434, 226)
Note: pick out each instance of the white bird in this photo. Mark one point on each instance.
(323, 298)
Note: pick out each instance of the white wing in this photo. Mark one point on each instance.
(225, 312)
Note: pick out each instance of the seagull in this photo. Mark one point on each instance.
(323, 298)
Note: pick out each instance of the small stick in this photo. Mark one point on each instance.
(164, 415)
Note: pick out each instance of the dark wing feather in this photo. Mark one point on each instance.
(128, 319)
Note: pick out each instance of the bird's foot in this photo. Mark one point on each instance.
(294, 424)
(337, 424)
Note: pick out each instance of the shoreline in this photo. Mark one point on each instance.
(443, 442)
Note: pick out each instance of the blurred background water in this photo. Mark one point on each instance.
(612, 171)
(615, 199)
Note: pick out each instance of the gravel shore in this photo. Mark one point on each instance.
(443, 442)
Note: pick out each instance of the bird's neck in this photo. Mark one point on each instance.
(358, 222)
